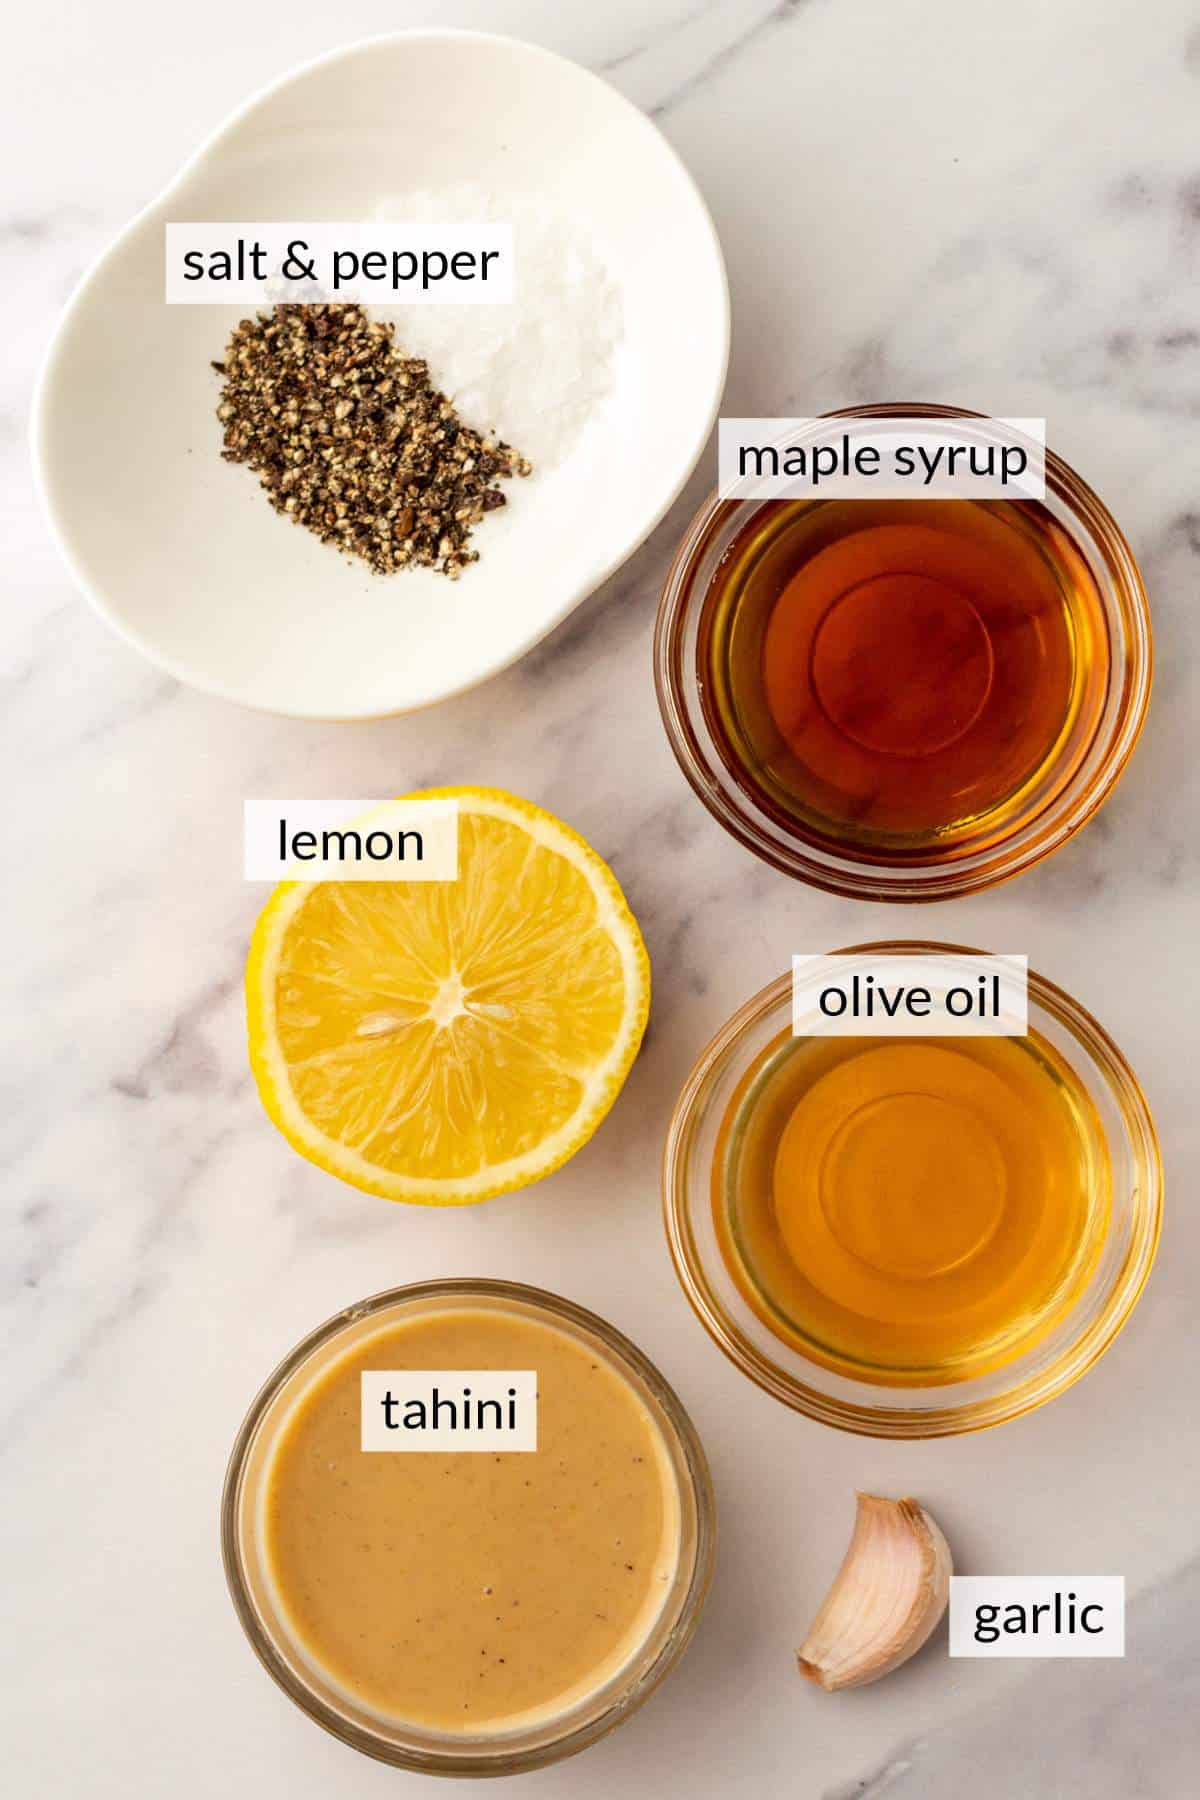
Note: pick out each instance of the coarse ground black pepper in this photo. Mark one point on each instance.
(350, 438)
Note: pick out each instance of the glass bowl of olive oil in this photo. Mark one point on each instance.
(904, 699)
(913, 1236)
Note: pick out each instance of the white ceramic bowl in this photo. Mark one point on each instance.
(181, 553)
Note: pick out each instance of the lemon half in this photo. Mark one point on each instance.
(443, 1042)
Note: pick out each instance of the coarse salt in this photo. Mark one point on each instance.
(537, 371)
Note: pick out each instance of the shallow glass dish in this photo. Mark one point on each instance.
(1080, 774)
(1049, 1367)
(412, 1747)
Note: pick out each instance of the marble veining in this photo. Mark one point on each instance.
(918, 200)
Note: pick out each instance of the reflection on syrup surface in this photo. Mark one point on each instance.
(911, 1211)
(905, 677)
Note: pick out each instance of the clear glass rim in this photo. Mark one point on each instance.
(503, 1757)
(1127, 612)
(892, 1421)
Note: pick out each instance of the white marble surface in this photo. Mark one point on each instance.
(998, 206)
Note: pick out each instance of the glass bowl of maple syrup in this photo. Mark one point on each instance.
(904, 699)
(912, 1237)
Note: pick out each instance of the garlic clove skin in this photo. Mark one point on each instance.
(886, 1598)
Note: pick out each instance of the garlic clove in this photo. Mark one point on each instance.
(886, 1598)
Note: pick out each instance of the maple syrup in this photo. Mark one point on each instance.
(907, 679)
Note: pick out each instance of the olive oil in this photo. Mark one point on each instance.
(907, 679)
(911, 1211)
